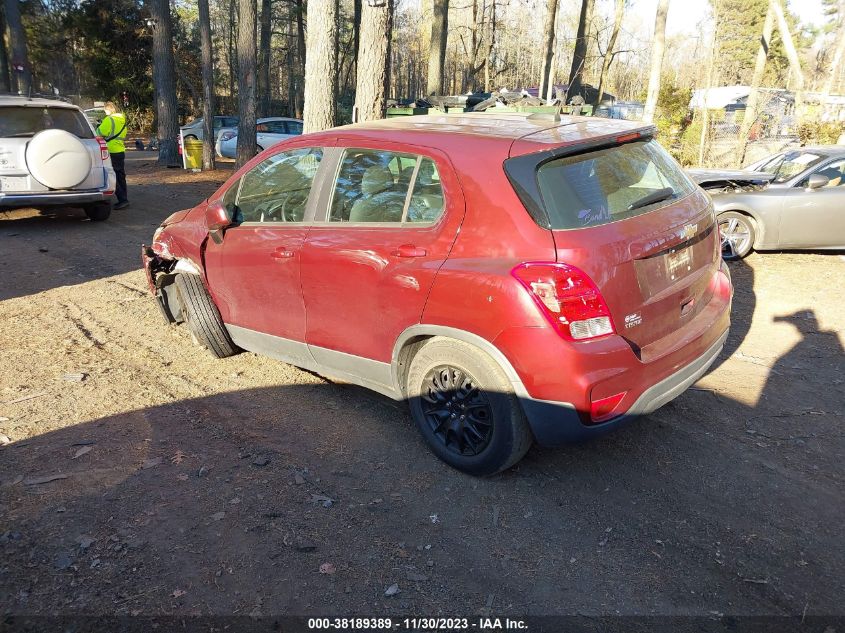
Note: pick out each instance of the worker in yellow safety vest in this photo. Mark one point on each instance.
(113, 130)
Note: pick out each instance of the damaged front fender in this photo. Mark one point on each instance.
(161, 273)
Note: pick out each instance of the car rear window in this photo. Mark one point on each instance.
(23, 121)
(610, 184)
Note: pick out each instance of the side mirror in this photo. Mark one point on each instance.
(217, 219)
(817, 181)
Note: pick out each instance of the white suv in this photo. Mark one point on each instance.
(51, 156)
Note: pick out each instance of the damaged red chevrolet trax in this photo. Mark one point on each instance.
(512, 277)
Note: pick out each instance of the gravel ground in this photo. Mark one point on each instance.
(145, 477)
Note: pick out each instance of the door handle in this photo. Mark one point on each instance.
(281, 253)
(408, 250)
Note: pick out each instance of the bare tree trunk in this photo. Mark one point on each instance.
(5, 85)
(437, 56)
(21, 72)
(710, 80)
(751, 106)
(264, 96)
(301, 53)
(791, 55)
(292, 65)
(549, 41)
(579, 56)
(388, 60)
(320, 75)
(611, 43)
(837, 55)
(164, 83)
(657, 49)
(208, 105)
(835, 67)
(246, 81)
(233, 62)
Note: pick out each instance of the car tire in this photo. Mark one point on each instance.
(98, 212)
(202, 317)
(448, 379)
(736, 231)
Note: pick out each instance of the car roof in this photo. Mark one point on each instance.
(523, 132)
(35, 102)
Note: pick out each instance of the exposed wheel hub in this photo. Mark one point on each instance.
(456, 410)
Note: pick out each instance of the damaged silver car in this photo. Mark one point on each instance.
(793, 200)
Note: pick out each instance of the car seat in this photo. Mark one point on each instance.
(380, 201)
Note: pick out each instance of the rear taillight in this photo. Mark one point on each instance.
(104, 149)
(568, 297)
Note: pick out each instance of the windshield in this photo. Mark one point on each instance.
(24, 121)
(787, 166)
(610, 184)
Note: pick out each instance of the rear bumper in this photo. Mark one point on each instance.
(19, 200)
(555, 423)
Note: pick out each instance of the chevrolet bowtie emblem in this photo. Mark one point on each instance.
(688, 232)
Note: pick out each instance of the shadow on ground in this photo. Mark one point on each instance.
(234, 503)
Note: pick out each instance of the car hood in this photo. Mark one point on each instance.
(173, 218)
(722, 177)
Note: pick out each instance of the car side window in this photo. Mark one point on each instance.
(276, 127)
(277, 189)
(294, 127)
(427, 201)
(372, 186)
(835, 171)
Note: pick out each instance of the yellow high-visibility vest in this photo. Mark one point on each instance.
(114, 127)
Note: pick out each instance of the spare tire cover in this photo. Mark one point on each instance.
(58, 159)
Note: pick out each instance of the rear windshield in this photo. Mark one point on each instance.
(610, 184)
(24, 121)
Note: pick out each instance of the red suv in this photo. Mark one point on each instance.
(512, 277)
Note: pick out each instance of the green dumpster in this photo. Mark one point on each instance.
(193, 154)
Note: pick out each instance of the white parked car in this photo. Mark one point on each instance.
(51, 156)
(269, 131)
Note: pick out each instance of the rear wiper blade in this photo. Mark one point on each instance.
(657, 196)
(19, 135)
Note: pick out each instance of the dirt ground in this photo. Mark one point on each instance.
(145, 477)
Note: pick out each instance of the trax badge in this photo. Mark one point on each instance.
(633, 320)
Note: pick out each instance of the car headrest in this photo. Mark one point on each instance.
(376, 179)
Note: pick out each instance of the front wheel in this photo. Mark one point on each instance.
(202, 317)
(465, 408)
(737, 234)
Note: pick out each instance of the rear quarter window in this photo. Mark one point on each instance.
(24, 121)
(610, 184)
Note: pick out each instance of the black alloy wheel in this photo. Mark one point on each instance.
(457, 410)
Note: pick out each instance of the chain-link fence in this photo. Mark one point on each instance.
(745, 130)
